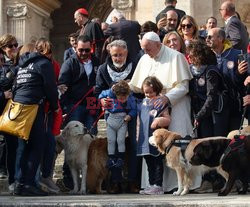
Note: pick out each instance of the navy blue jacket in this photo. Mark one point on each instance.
(73, 75)
(68, 53)
(128, 107)
(228, 66)
(35, 81)
(128, 31)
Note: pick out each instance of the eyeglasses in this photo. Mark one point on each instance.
(86, 50)
(12, 45)
(186, 25)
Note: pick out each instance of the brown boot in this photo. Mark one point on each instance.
(133, 188)
(115, 188)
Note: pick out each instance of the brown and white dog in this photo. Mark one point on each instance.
(186, 173)
(76, 142)
(97, 171)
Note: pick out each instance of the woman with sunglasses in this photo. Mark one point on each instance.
(8, 48)
(188, 29)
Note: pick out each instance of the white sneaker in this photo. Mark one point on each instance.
(142, 192)
(11, 188)
(154, 190)
(49, 184)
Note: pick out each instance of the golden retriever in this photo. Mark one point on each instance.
(164, 139)
(76, 142)
(97, 159)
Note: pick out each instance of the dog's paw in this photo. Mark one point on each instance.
(222, 193)
(176, 193)
(184, 192)
(81, 192)
(73, 192)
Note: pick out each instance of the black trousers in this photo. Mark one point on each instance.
(155, 169)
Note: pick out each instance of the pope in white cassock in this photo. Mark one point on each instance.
(172, 69)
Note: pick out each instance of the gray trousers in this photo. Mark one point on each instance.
(116, 132)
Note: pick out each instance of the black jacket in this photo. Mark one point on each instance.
(128, 31)
(35, 81)
(76, 79)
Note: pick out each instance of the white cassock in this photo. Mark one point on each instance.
(172, 69)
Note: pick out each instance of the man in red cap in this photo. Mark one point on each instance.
(91, 29)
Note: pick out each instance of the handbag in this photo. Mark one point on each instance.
(17, 119)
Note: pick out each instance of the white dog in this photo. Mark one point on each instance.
(76, 143)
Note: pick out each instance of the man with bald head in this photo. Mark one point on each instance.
(235, 30)
(172, 69)
(234, 74)
(167, 23)
(91, 29)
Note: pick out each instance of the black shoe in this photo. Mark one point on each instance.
(18, 188)
(3, 173)
(29, 190)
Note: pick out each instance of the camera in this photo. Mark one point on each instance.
(242, 57)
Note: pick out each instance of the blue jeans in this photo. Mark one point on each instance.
(81, 113)
(29, 153)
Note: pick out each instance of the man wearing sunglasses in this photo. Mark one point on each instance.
(76, 79)
(91, 29)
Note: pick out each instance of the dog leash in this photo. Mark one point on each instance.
(77, 104)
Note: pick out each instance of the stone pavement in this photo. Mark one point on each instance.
(126, 200)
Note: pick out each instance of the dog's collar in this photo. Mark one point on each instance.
(88, 132)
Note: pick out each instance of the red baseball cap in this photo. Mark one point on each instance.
(83, 11)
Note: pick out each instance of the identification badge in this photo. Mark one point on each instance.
(201, 82)
(230, 64)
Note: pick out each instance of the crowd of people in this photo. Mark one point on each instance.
(169, 74)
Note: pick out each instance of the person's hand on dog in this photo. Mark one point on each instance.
(127, 118)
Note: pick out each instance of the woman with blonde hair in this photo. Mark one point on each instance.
(188, 29)
(174, 40)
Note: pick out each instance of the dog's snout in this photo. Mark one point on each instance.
(151, 141)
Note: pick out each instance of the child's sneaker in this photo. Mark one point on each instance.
(154, 190)
(142, 192)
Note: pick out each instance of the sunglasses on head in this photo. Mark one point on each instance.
(186, 25)
(12, 45)
(86, 50)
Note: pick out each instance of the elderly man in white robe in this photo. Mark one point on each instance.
(172, 69)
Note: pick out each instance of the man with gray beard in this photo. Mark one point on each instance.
(119, 66)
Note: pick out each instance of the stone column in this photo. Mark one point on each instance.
(1, 18)
(16, 16)
(125, 7)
